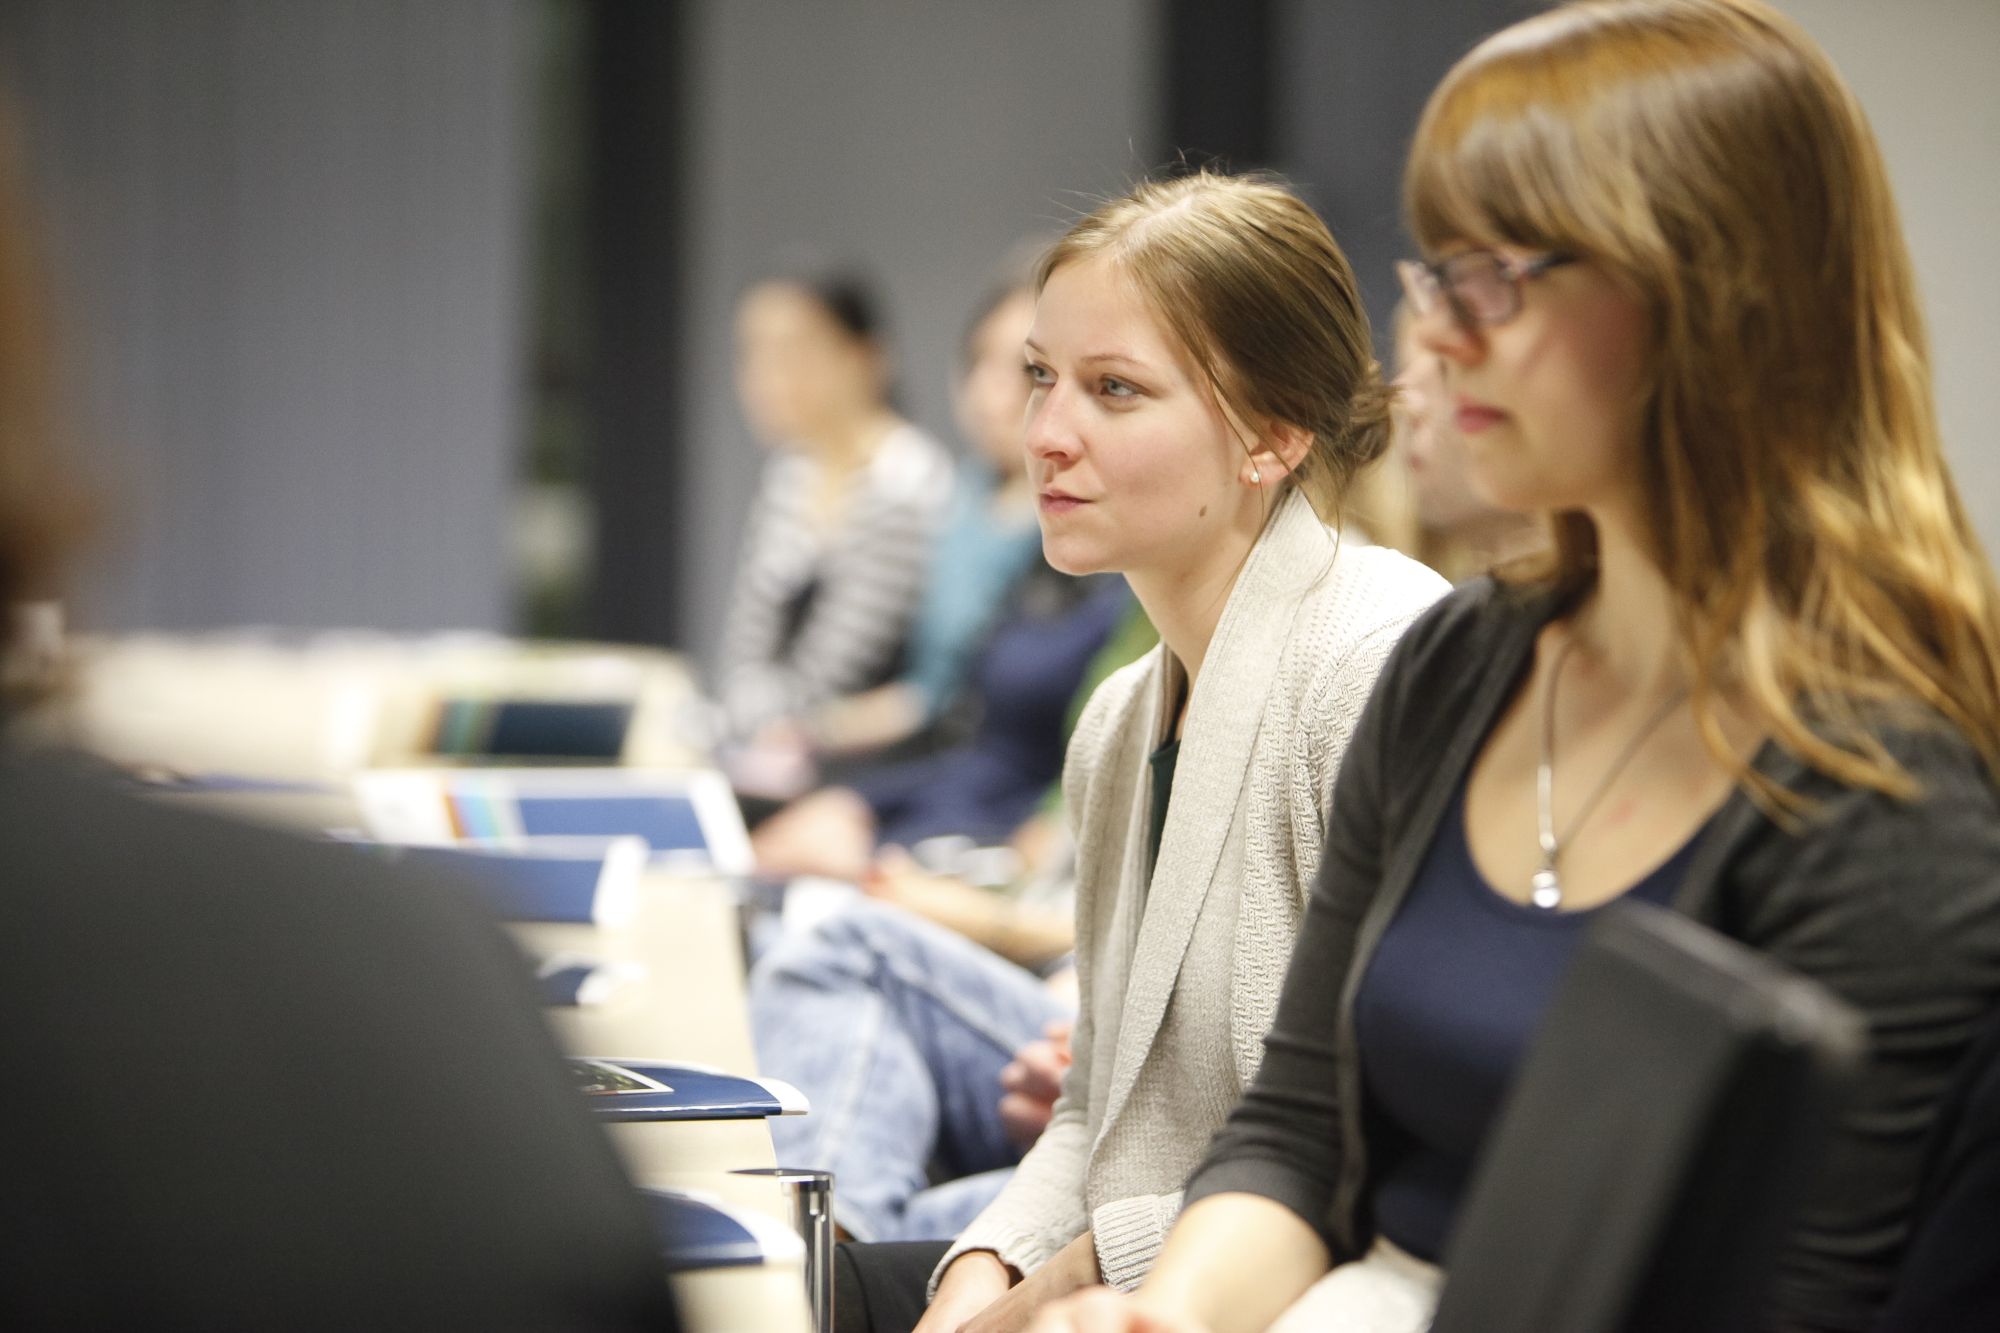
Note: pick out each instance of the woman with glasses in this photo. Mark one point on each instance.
(1757, 678)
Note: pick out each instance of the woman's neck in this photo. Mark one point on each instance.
(1628, 620)
(1185, 602)
(846, 446)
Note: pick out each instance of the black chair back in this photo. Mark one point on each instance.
(1647, 1165)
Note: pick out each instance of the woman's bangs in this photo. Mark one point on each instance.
(1491, 166)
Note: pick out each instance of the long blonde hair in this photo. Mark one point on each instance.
(1248, 279)
(1706, 153)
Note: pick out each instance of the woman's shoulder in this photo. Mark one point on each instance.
(911, 467)
(1109, 717)
(1373, 587)
(1954, 789)
(1397, 629)
(1117, 698)
(1367, 600)
(1459, 626)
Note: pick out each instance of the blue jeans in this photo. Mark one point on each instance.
(896, 1030)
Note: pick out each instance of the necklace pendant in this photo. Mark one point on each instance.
(1545, 890)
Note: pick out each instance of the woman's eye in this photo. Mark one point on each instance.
(1038, 375)
(1117, 388)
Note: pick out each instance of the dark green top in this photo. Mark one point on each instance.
(1163, 787)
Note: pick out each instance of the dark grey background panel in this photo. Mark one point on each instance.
(1353, 78)
(287, 239)
(921, 139)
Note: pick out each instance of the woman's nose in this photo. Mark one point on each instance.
(1440, 332)
(1051, 437)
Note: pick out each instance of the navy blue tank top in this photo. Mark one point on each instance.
(1443, 1016)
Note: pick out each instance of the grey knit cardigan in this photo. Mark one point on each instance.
(1179, 977)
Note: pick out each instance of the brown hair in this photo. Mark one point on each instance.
(1706, 154)
(38, 511)
(1249, 281)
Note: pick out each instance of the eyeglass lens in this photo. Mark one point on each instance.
(1477, 286)
(1481, 286)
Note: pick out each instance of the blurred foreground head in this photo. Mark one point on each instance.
(37, 511)
(41, 512)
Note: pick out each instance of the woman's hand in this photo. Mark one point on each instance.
(1102, 1310)
(831, 833)
(1030, 1084)
(974, 1281)
(1069, 1269)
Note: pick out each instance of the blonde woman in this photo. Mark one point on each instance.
(1202, 391)
(1758, 678)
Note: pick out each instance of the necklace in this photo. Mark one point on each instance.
(1545, 886)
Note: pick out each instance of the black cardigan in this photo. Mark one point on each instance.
(1895, 906)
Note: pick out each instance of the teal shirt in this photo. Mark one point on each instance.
(976, 561)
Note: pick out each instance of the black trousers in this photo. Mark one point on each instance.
(881, 1288)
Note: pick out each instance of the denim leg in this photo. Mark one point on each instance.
(896, 1030)
(942, 1211)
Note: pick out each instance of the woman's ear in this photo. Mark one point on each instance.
(1280, 452)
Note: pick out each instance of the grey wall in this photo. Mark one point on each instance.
(920, 137)
(287, 242)
(1924, 74)
(1353, 76)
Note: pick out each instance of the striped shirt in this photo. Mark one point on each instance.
(818, 614)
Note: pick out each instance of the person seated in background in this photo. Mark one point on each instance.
(1452, 527)
(252, 1082)
(930, 1023)
(839, 538)
(983, 788)
(1757, 677)
(1015, 696)
(989, 541)
(1419, 498)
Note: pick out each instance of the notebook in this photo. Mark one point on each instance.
(689, 819)
(592, 881)
(571, 980)
(532, 728)
(654, 1090)
(698, 1231)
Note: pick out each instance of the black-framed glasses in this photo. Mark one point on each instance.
(1482, 288)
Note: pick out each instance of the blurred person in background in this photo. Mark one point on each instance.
(840, 535)
(1452, 527)
(930, 1022)
(1001, 638)
(253, 1082)
(1025, 679)
(1756, 676)
(989, 541)
(1421, 498)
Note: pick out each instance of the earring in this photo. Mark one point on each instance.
(1256, 477)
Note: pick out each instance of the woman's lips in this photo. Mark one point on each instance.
(1472, 417)
(1059, 502)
